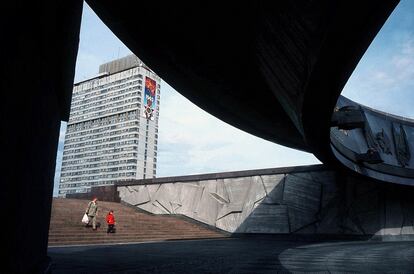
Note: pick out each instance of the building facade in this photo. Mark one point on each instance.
(112, 132)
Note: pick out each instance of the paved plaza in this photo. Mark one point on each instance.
(259, 254)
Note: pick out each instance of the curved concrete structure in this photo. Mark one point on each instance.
(373, 143)
(275, 70)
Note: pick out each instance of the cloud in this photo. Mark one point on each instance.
(403, 62)
(385, 80)
(192, 141)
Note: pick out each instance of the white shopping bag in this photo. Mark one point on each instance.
(85, 219)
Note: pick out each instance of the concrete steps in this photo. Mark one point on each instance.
(132, 226)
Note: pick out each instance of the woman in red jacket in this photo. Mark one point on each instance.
(110, 220)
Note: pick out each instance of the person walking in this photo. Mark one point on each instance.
(92, 212)
(110, 220)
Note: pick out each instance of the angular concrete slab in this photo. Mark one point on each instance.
(229, 209)
(303, 175)
(229, 222)
(168, 194)
(237, 189)
(394, 219)
(162, 208)
(175, 207)
(133, 198)
(323, 177)
(142, 194)
(123, 191)
(151, 208)
(190, 196)
(274, 186)
(152, 190)
(266, 219)
(271, 181)
(302, 194)
(300, 217)
(256, 193)
(330, 220)
(208, 207)
(221, 192)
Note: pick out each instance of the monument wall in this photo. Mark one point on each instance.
(301, 200)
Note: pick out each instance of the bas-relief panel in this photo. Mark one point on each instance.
(309, 202)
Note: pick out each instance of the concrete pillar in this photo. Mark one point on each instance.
(39, 47)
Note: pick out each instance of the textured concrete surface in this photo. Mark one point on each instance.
(244, 255)
(389, 138)
(305, 202)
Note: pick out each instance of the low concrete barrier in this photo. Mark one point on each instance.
(296, 200)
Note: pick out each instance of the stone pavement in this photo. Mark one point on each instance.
(261, 254)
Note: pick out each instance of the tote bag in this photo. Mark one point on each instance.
(85, 219)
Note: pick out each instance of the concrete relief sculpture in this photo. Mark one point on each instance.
(276, 203)
(378, 144)
(402, 149)
(383, 142)
(294, 203)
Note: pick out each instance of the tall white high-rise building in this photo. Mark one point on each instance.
(112, 131)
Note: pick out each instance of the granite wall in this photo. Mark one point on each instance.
(305, 202)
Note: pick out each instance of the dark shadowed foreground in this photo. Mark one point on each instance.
(264, 254)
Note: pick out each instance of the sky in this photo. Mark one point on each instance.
(192, 141)
(384, 77)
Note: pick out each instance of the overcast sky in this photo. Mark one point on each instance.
(192, 141)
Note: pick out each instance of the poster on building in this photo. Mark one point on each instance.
(149, 98)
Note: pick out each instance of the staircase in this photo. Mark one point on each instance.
(66, 227)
